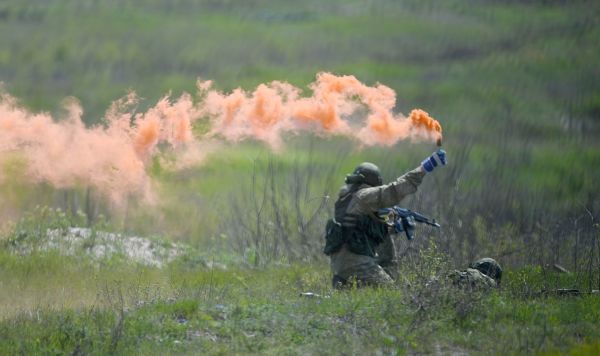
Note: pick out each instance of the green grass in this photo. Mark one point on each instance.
(177, 310)
(54, 303)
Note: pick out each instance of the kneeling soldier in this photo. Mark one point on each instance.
(358, 243)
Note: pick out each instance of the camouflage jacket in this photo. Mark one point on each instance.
(365, 201)
(368, 199)
(471, 278)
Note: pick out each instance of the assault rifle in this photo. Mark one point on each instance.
(404, 220)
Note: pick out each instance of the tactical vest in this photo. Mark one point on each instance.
(362, 233)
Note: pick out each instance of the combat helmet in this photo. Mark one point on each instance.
(366, 173)
(489, 267)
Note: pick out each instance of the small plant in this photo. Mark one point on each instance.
(32, 230)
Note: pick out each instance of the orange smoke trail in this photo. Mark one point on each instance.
(65, 153)
(428, 126)
(113, 158)
(276, 108)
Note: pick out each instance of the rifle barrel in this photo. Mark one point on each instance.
(418, 217)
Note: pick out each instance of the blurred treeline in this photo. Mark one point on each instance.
(516, 86)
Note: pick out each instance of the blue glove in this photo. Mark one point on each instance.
(437, 158)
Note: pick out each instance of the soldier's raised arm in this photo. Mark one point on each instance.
(383, 196)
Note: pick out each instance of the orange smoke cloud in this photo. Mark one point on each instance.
(421, 120)
(276, 108)
(113, 157)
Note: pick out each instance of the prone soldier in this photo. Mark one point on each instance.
(482, 274)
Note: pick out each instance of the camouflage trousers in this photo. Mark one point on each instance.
(349, 268)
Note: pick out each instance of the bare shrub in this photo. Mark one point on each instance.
(279, 214)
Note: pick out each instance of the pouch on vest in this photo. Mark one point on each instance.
(334, 238)
(365, 237)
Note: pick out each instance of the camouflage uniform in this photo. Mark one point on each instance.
(347, 266)
(472, 278)
(482, 274)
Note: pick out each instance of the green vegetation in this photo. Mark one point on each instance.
(515, 84)
(209, 302)
(69, 304)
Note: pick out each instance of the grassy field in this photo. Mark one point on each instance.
(206, 303)
(515, 85)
